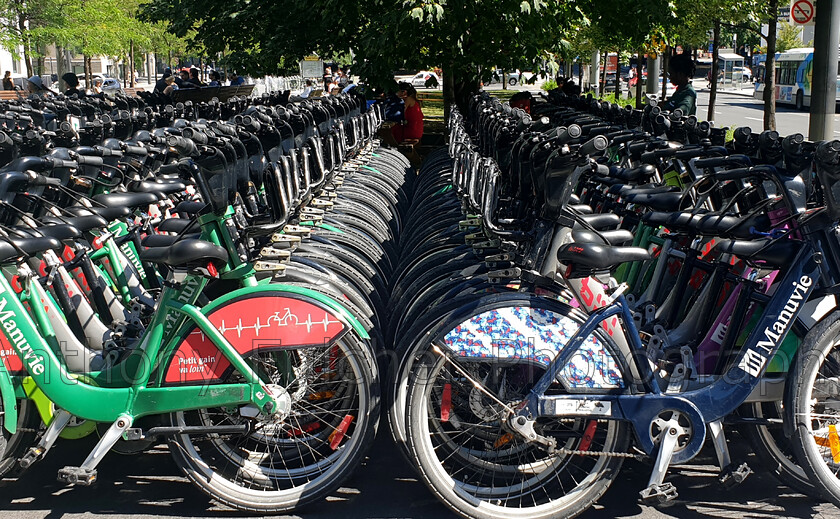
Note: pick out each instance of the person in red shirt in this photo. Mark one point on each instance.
(411, 131)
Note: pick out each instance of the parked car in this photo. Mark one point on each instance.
(111, 86)
(746, 74)
(421, 78)
(93, 77)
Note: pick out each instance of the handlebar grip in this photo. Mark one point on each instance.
(735, 174)
(731, 160)
(135, 150)
(594, 145)
(564, 135)
(60, 163)
(828, 152)
(108, 152)
(169, 169)
(41, 180)
(194, 135)
(652, 157)
(90, 160)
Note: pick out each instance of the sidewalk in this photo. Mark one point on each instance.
(701, 85)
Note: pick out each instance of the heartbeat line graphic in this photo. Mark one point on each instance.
(277, 320)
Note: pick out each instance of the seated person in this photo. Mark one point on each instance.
(171, 86)
(307, 90)
(161, 83)
(194, 79)
(72, 83)
(411, 130)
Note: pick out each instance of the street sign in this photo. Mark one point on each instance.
(802, 12)
(310, 68)
(784, 14)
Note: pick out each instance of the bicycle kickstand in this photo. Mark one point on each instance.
(731, 474)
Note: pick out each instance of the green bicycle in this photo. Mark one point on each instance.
(268, 395)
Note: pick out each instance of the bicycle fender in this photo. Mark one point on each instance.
(266, 317)
(7, 392)
(529, 329)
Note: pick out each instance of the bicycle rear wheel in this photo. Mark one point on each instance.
(282, 465)
(473, 464)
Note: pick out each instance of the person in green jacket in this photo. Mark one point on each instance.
(681, 70)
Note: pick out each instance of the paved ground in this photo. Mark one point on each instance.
(741, 109)
(148, 485)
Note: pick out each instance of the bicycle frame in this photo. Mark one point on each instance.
(703, 405)
(106, 404)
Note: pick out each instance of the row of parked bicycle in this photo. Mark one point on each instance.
(587, 283)
(250, 281)
(213, 275)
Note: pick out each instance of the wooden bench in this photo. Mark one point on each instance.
(429, 96)
(11, 95)
(205, 94)
(133, 91)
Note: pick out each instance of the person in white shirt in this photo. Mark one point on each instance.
(307, 90)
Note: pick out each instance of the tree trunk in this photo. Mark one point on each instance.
(131, 81)
(39, 68)
(86, 68)
(713, 83)
(448, 91)
(580, 74)
(27, 55)
(603, 88)
(62, 86)
(639, 58)
(770, 70)
(665, 58)
(617, 75)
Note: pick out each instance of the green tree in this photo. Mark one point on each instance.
(22, 23)
(789, 37)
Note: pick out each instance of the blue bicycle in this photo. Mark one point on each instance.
(521, 406)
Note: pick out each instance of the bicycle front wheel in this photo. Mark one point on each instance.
(812, 403)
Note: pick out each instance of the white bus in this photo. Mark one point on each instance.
(794, 70)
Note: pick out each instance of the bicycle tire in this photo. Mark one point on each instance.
(531, 484)
(811, 438)
(234, 473)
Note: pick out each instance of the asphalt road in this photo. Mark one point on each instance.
(149, 485)
(743, 110)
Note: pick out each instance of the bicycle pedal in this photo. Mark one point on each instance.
(733, 475)
(33, 455)
(77, 476)
(661, 495)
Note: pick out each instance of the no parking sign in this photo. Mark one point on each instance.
(802, 12)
